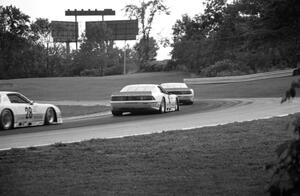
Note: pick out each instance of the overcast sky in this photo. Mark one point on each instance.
(55, 10)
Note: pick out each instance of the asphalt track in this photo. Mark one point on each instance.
(203, 113)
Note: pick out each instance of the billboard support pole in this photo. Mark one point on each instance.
(125, 57)
(76, 30)
(87, 13)
(68, 47)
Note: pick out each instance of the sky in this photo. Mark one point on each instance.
(162, 24)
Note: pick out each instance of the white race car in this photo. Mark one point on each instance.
(16, 110)
(143, 97)
(184, 93)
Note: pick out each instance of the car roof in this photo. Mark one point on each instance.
(139, 87)
(142, 85)
(7, 92)
(173, 84)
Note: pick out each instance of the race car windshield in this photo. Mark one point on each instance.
(174, 85)
(135, 88)
(17, 98)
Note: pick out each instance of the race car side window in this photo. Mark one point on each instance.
(16, 98)
(162, 90)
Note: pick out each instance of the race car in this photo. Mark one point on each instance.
(184, 93)
(16, 110)
(143, 97)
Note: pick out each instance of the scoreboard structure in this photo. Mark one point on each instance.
(120, 29)
(63, 31)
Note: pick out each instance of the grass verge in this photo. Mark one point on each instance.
(100, 88)
(220, 160)
(77, 110)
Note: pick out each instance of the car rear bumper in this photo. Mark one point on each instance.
(134, 106)
(185, 98)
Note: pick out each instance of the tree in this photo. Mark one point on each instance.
(14, 21)
(97, 55)
(213, 16)
(14, 31)
(145, 13)
(100, 45)
(262, 35)
(151, 52)
(41, 31)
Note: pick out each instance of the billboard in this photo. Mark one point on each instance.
(63, 31)
(121, 29)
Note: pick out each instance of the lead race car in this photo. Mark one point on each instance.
(16, 110)
(184, 93)
(143, 97)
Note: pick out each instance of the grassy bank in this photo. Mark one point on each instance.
(221, 160)
(77, 110)
(100, 88)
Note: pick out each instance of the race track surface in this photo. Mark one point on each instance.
(203, 113)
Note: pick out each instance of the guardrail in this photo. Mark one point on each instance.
(243, 78)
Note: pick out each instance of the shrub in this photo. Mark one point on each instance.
(286, 171)
(156, 66)
(113, 70)
(226, 68)
(90, 72)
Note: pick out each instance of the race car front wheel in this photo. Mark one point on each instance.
(49, 116)
(7, 120)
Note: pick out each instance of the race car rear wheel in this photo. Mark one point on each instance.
(49, 116)
(162, 108)
(177, 105)
(7, 120)
(116, 113)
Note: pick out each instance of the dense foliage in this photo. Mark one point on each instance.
(27, 50)
(286, 171)
(245, 36)
(261, 35)
(147, 47)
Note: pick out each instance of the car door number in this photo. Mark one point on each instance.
(28, 111)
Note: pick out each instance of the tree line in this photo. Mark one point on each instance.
(26, 49)
(241, 37)
(244, 36)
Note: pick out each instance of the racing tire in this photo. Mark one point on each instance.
(6, 120)
(191, 103)
(162, 108)
(50, 116)
(177, 105)
(116, 113)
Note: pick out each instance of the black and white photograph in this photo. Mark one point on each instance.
(150, 97)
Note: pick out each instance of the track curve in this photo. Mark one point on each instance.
(221, 111)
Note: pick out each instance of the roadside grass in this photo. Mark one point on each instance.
(77, 110)
(274, 87)
(100, 88)
(220, 160)
(83, 88)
